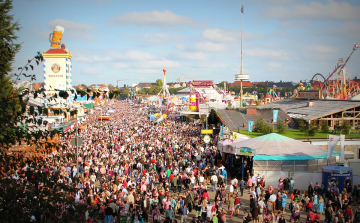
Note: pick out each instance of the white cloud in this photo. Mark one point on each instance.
(351, 29)
(274, 65)
(193, 55)
(331, 10)
(119, 65)
(322, 49)
(133, 55)
(75, 30)
(220, 35)
(159, 64)
(212, 65)
(179, 47)
(143, 71)
(153, 19)
(160, 38)
(90, 59)
(90, 70)
(209, 46)
(70, 25)
(267, 53)
(228, 35)
(279, 2)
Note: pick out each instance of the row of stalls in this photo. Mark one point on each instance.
(274, 155)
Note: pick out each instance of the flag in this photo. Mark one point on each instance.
(275, 115)
(250, 125)
(342, 142)
(242, 9)
(333, 140)
(222, 131)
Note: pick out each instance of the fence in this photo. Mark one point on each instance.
(301, 179)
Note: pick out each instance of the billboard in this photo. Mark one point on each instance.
(310, 94)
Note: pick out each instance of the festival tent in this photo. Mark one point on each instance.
(277, 147)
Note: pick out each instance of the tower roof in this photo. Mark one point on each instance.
(56, 51)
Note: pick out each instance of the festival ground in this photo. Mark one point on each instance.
(245, 201)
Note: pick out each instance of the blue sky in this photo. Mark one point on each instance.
(110, 40)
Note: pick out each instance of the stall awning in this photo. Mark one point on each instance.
(277, 147)
(89, 106)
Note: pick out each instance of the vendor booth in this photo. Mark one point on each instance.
(340, 176)
(282, 156)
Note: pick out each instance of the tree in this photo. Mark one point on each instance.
(345, 127)
(222, 85)
(159, 82)
(281, 126)
(9, 107)
(125, 92)
(324, 126)
(311, 130)
(111, 87)
(35, 195)
(84, 86)
(302, 125)
(262, 127)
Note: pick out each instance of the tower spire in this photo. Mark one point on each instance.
(241, 64)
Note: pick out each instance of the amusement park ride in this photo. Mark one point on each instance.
(164, 88)
(341, 87)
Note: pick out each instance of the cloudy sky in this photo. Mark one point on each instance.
(111, 40)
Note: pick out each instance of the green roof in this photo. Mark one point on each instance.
(62, 127)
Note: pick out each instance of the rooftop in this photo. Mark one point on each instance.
(298, 108)
(235, 119)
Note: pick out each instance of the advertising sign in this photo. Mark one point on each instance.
(242, 77)
(333, 140)
(246, 151)
(206, 131)
(206, 139)
(275, 115)
(250, 125)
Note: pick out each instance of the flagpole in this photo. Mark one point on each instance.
(327, 158)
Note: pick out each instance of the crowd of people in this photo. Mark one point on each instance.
(270, 205)
(132, 170)
(127, 168)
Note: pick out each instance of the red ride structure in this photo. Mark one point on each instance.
(338, 88)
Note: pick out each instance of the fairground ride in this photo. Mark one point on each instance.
(340, 87)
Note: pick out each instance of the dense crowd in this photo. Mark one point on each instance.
(127, 167)
(132, 170)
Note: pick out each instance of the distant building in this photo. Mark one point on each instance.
(139, 87)
(245, 84)
(80, 87)
(332, 111)
(280, 85)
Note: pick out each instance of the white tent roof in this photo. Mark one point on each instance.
(277, 147)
